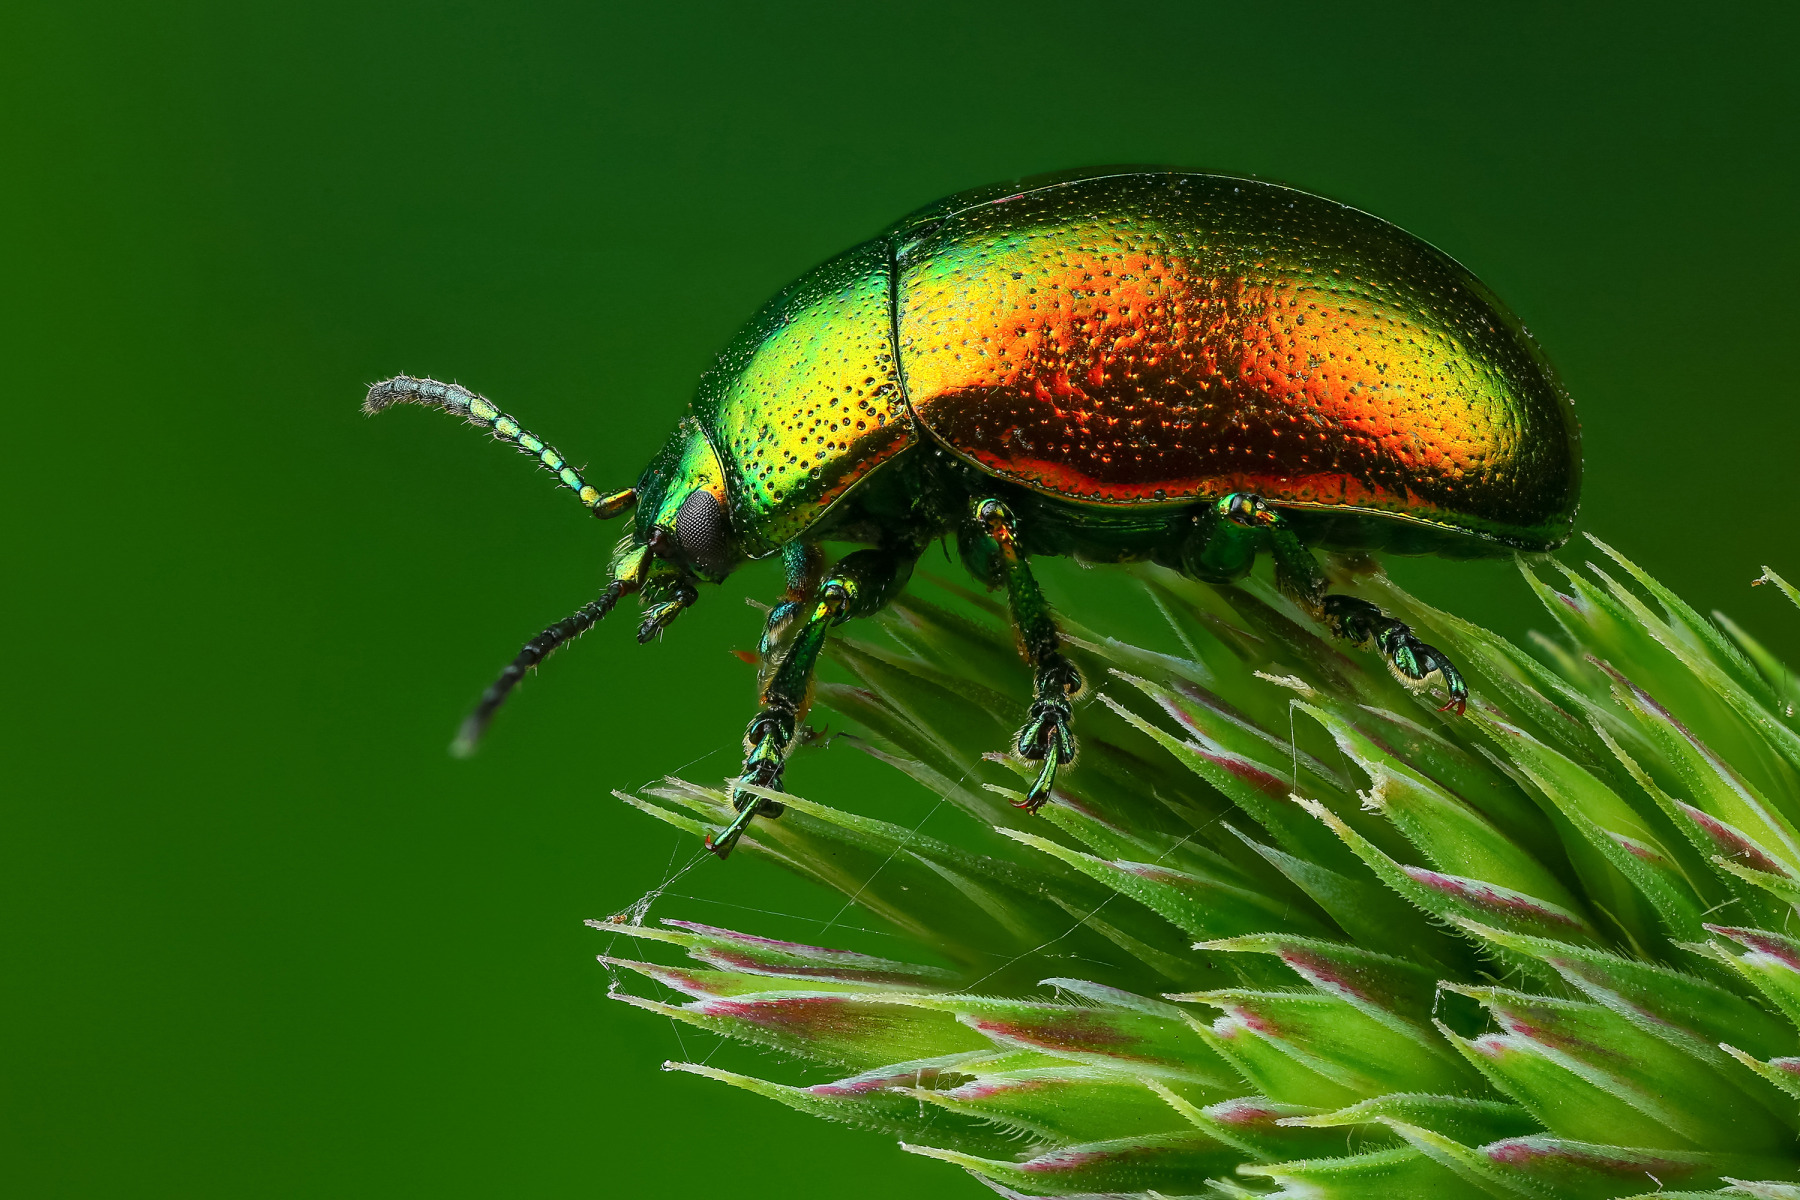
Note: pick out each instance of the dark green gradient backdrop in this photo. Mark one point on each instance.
(262, 937)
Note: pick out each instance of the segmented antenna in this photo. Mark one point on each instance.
(536, 651)
(482, 413)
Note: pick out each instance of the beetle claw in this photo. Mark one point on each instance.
(1424, 661)
(1040, 787)
(1458, 700)
(1046, 736)
(728, 836)
(1412, 661)
(748, 806)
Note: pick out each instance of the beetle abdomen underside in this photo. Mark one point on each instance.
(1159, 338)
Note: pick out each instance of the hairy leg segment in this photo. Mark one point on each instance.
(860, 584)
(1356, 621)
(996, 557)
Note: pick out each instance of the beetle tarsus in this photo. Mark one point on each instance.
(764, 770)
(1365, 626)
(1039, 794)
(766, 743)
(1047, 734)
(1356, 621)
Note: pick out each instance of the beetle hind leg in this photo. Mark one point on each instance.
(1356, 621)
(1047, 736)
(1365, 626)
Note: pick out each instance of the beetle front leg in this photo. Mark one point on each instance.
(805, 566)
(1047, 736)
(1358, 622)
(862, 583)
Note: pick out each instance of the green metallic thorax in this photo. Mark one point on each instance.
(806, 401)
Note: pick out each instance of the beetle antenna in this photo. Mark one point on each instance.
(535, 651)
(482, 413)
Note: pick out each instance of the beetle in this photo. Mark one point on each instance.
(1120, 366)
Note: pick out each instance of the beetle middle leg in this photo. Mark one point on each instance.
(1356, 621)
(805, 566)
(996, 557)
(860, 584)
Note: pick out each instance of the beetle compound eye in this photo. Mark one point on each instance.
(700, 527)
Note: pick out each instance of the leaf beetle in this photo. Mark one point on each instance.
(1124, 365)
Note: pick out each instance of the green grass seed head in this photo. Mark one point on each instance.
(1287, 930)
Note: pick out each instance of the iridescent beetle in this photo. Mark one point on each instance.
(1119, 366)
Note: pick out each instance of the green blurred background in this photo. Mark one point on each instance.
(263, 937)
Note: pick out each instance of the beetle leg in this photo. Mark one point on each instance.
(1046, 735)
(805, 564)
(861, 584)
(677, 595)
(1297, 572)
(1363, 624)
(1356, 621)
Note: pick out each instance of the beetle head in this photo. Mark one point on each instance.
(684, 514)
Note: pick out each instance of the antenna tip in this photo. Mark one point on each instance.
(407, 389)
(388, 392)
(467, 740)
